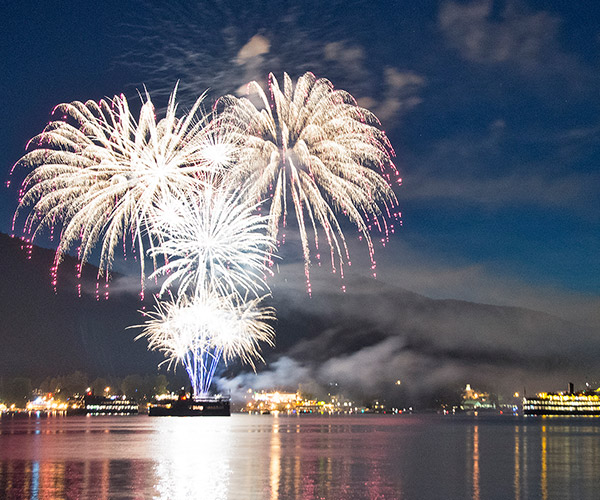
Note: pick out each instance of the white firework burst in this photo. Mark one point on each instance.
(198, 332)
(212, 239)
(98, 172)
(313, 144)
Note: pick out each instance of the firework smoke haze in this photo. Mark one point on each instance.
(241, 42)
(235, 44)
(314, 145)
(98, 172)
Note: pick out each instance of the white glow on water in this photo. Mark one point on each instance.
(195, 456)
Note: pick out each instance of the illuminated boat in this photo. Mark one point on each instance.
(100, 405)
(183, 406)
(580, 404)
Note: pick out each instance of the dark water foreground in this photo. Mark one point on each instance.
(307, 457)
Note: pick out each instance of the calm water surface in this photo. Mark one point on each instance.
(308, 457)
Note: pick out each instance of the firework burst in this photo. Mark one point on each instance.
(98, 172)
(212, 239)
(198, 332)
(313, 145)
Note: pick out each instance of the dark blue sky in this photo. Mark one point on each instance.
(493, 109)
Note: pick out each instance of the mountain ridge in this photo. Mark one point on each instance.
(404, 334)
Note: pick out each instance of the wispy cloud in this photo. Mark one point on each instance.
(481, 328)
(483, 32)
(438, 277)
(486, 169)
(401, 94)
(575, 190)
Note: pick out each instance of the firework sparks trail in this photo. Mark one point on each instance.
(314, 145)
(98, 173)
(198, 332)
(213, 239)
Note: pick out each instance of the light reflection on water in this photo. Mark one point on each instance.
(308, 457)
(194, 456)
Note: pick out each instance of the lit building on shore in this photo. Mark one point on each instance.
(293, 402)
(473, 400)
(267, 402)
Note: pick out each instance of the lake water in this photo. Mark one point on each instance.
(307, 457)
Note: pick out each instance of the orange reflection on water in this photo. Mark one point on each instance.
(544, 465)
(280, 458)
(52, 480)
(475, 458)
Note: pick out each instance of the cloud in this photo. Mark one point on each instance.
(401, 94)
(485, 169)
(130, 284)
(413, 267)
(400, 90)
(283, 374)
(378, 334)
(368, 368)
(256, 46)
(465, 324)
(527, 40)
(352, 57)
(541, 190)
(252, 59)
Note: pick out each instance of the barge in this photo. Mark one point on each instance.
(100, 405)
(216, 406)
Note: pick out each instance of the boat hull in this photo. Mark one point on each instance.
(191, 408)
(99, 405)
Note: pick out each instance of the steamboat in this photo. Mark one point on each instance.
(569, 404)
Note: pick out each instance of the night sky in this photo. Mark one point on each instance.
(493, 109)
